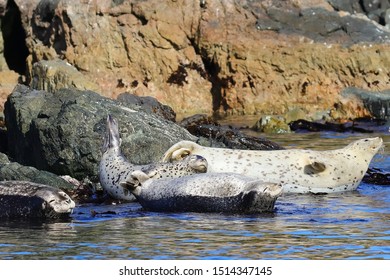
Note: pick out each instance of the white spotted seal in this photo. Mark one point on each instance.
(26, 200)
(299, 170)
(114, 167)
(206, 192)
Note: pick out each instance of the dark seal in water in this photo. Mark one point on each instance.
(26, 200)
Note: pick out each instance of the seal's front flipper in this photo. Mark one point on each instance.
(314, 168)
(134, 182)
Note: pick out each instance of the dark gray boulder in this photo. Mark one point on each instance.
(15, 171)
(62, 132)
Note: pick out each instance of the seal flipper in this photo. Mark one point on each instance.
(137, 179)
(111, 138)
(314, 168)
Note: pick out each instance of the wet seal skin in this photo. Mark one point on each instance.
(298, 170)
(206, 192)
(26, 200)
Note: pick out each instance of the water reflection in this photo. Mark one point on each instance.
(354, 225)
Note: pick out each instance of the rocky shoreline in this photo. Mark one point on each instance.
(298, 65)
(227, 57)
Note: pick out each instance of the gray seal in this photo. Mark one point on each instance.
(115, 168)
(26, 200)
(298, 170)
(206, 192)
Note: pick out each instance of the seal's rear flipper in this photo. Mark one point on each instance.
(314, 168)
(111, 138)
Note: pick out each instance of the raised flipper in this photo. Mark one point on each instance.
(314, 168)
(111, 138)
(135, 181)
(179, 151)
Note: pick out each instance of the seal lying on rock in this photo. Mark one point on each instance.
(299, 170)
(115, 168)
(207, 192)
(26, 200)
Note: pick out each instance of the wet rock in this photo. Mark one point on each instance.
(15, 171)
(215, 135)
(193, 123)
(271, 124)
(148, 104)
(62, 132)
(376, 103)
(309, 126)
(376, 176)
(56, 74)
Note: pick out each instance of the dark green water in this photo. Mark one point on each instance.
(354, 225)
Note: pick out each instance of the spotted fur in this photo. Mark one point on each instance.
(299, 170)
(26, 200)
(115, 168)
(207, 192)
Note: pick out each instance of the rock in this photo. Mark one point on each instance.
(305, 126)
(15, 171)
(271, 124)
(376, 103)
(222, 57)
(62, 132)
(56, 74)
(8, 80)
(192, 123)
(4, 159)
(213, 134)
(294, 114)
(148, 104)
(377, 177)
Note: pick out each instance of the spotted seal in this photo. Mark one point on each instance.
(299, 170)
(114, 167)
(26, 200)
(206, 192)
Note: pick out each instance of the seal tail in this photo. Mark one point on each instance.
(111, 138)
(179, 151)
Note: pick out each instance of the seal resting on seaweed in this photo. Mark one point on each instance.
(206, 192)
(299, 170)
(26, 200)
(114, 167)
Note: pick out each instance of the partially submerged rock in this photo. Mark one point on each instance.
(215, 135)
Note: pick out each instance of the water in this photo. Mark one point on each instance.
(354, 225)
